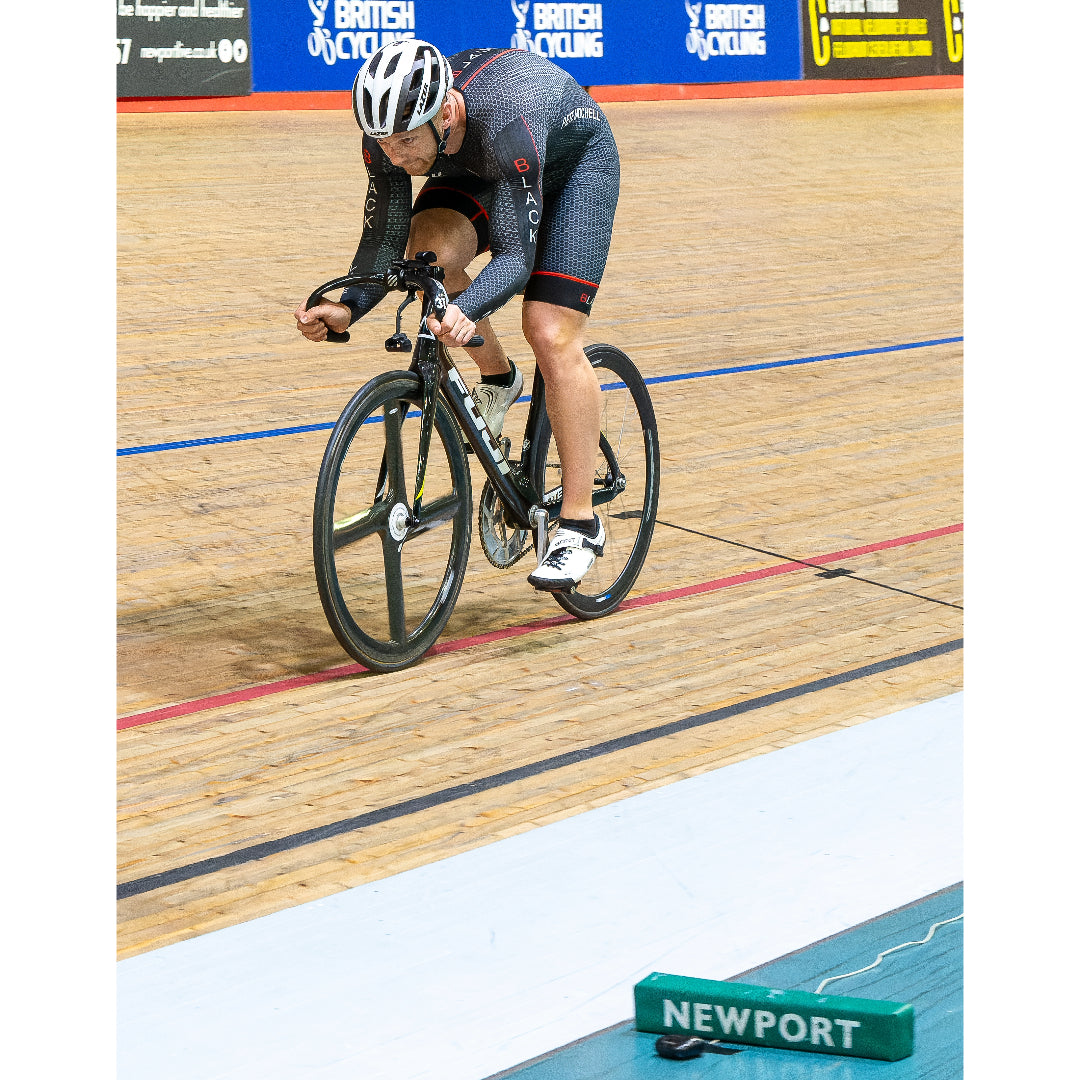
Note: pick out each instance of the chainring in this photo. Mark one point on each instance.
(502, 543)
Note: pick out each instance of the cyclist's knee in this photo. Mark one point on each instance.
(555, 334)
(446, 232)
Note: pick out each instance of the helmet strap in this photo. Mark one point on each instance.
(440, 140)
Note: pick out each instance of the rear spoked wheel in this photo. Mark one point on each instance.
(388, 585)
(626, 483)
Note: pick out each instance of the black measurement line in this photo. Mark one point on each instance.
(826, 571)
(509, 776)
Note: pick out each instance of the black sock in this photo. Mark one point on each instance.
(590, 527)
(506, 379)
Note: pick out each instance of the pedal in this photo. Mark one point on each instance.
(538, 519)
(501, 542)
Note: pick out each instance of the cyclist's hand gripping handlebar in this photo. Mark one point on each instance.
(438, 302)
(422, 274)
(317, 298)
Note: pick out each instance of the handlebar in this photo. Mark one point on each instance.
(406, 275)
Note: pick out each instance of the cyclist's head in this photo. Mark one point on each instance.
(402, 87)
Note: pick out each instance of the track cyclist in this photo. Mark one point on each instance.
(521, 162)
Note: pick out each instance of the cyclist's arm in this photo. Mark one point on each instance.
(514, 222)
(387, 213)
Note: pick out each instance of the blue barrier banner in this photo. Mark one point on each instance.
(306, 45)
(302, 45)
(666, 41)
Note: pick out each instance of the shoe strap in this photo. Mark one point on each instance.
(571, 538)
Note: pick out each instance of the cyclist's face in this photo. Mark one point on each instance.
(413, 151)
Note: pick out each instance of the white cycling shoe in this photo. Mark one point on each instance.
(492, 402)
(569, 558)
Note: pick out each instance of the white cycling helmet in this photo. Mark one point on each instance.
(401, 87)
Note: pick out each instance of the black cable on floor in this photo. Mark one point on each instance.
(826, 571)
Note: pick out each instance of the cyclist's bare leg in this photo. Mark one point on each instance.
(451, 236)
(557, 337)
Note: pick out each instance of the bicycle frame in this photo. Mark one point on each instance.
(524, 506)
(387, 632)
(511, 483)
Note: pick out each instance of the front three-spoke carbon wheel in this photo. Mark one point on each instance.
(389, 583)
(626, 483)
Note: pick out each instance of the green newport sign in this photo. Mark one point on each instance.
(781, 1019)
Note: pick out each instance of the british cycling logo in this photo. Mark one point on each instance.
(729, 30)
(522, 38)
(559, 30)
(362, 26)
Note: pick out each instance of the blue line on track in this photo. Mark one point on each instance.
(802, 360)
(126, 451)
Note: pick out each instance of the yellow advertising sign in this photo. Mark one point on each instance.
(819, 32)
(874, 39)
(954, 29)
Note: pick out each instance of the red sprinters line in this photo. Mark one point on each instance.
(280, 686)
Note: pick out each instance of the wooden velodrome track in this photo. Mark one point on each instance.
(749, 231)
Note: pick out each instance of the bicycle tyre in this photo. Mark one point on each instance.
(388, 589)
(628, 440)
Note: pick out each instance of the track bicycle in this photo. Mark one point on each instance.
(393, 505)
